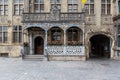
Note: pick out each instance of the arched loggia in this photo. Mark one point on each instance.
(74, 36)
(55, 36)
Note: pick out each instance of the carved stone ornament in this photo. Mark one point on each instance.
(55, 13)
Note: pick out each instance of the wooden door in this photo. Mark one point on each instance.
(39, 46)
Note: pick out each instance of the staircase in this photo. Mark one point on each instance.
(34, 57)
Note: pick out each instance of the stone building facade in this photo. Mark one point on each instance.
(116, 24)
(58, 29)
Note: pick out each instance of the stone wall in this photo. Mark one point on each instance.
(13, 51)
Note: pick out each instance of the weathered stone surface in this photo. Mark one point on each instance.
(16, 69)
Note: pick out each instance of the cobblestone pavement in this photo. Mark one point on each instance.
(17, 69)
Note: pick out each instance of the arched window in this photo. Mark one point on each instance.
(73, 36)
(56, 36)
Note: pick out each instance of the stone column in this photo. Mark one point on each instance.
(32, 6)
(64, 40)
(31, 46)
(47, 5)
(45, 42)
(64, 6)
(116, 8)
(46, 36)
(22, 46)
(97, 9)
(83, 37)
(79, 6)
(83, 33)
(64, 36)
(29, 8)
(26, 6)
(10, 21)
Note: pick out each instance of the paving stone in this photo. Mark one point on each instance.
(17, 69)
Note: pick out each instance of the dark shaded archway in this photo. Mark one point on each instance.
(39, 46)
(100, 46)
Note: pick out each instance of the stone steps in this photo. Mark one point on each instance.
(34, 57)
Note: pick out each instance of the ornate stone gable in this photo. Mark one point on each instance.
(55, 13)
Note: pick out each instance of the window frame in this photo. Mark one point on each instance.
(17, 34)
(72, 4)
(74, 36)
(119, 6)
(55, 35)
(18, 4)
(4, 10)
(107, 10)
(3, 32)
(40, 9)
(89, 9)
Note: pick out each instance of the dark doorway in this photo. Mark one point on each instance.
(39, 46)
(100, 46)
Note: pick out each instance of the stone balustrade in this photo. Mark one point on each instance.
(47, 17)
(65, 50)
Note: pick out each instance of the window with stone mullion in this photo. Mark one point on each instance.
(1, 10)
(6, 9)
(72, 5)
(106, 7)
(18, 7)
(5, 38)
(17, 34)
(89, 7)
(3, 34)
(73, 35)
(39, 6)
(3, 7)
